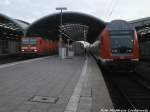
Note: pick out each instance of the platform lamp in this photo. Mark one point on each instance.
(61, 14)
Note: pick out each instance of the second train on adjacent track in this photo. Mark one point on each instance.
(117, 47)
(37, 46)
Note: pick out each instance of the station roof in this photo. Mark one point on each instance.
(74, 25)
(75, 31)
(11, 28)
(141, 22)
(143, 28)
(85, 44)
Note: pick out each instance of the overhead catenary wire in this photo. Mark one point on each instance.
(108, 7)
(111, 9)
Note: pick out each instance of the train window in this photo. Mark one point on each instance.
(32, 41)
(25, 41)
(121, 32)
(122, 41)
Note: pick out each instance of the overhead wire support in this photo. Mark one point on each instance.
(72, 29)
(112, 9)
(108, 8)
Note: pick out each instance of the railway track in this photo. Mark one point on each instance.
(10, 60)
(6, 60)
(128, 91)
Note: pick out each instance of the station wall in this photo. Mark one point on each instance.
(145, 50)
(9, 46)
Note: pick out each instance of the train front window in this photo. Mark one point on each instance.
(25, 41)
(28, 41)
(32, 41)
(121, 42)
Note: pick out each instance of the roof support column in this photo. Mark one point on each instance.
(60, 38)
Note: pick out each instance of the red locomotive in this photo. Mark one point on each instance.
(117, 46)
(35, 46)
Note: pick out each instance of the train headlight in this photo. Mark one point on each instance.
(22, 50)
(129, 51)
(114, 51)
(35, 50)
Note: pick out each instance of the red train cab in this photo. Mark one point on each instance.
(117, 46)
(35, 46)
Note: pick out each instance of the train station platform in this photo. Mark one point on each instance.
(51, 84)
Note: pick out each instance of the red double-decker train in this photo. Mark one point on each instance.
(37, 46)
(117, 47)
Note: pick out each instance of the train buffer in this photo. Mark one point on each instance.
(51, 84)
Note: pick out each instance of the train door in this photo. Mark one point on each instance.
(40, 46)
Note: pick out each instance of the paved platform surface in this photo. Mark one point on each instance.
(94, 95)
(51, 84)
